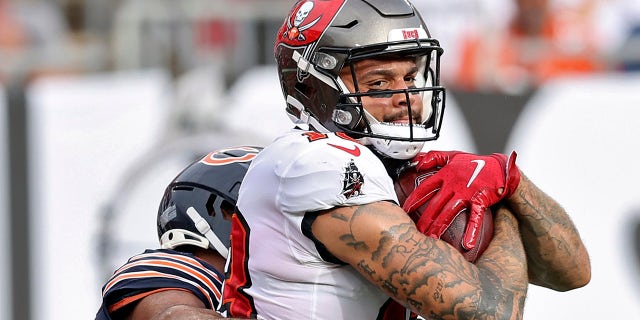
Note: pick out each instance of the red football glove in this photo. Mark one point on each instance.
(464, 181)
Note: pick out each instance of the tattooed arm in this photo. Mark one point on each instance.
(556, 256)
(425, 274)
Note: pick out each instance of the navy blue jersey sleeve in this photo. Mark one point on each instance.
(157, 270)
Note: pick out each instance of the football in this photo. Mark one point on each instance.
(409, 179)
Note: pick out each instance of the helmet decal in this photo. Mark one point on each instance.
(407, 33)
(305, 25)
(221, 157)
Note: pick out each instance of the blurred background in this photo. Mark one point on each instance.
(102, 102)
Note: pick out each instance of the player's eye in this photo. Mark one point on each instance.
(377, 85)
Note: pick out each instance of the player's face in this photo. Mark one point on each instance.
(377, 75)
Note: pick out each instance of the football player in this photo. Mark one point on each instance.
(361, 82)
(184, 278)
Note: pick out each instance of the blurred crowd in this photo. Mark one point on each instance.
(513, 46)
(508, 46)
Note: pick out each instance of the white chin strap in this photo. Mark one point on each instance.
(180, 237)
(203, 227)
(394, 148)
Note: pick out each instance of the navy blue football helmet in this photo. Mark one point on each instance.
(194, 206)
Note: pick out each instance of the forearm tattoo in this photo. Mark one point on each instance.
(431, 277)
(555, 252)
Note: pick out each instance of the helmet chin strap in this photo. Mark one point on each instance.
(204, 228)
(402, 150)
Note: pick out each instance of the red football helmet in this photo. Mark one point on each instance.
(320, 38)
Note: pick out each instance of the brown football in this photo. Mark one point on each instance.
(409, 179)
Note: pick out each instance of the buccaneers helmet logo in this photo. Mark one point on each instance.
(305, 25)
(294, 31)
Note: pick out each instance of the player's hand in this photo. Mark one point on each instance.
(464, 181)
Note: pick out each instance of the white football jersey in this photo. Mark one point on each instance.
(276, 271)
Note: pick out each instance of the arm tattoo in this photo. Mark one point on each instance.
(554, 248)
(430, 277)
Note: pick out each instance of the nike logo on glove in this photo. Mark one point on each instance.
(476, 172)
(354, 152)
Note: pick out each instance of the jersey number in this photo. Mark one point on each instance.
(315, 136)
(235, 301)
